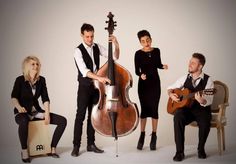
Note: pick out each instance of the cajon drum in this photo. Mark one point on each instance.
(39, 139)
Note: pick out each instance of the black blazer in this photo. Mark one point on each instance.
(22, 91)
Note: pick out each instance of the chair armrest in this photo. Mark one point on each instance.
(221, 113)
(223, 105)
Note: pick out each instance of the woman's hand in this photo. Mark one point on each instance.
(165, 66)
(47, 112)
(17, 105)
(143, 76)
(22, 110)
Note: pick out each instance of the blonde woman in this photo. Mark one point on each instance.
(26, 91)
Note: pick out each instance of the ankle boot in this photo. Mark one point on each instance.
(153, 141)
(141, 141)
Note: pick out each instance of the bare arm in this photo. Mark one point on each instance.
(46, 106)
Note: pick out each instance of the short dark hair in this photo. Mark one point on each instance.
(200, 57)
(86, 27)
(143, 33)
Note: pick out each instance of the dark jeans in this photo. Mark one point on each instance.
(85, 98)
(22, 120)
(184, 117)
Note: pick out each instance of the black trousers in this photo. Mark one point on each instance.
(184, 117)
(85, 98)
(22, 119)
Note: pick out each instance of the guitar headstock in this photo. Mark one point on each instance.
(210, 91)
(111, 24)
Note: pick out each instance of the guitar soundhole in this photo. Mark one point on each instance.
(181, 97)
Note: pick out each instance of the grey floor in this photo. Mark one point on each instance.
(128, 155)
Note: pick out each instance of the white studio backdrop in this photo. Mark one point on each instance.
(50, 29)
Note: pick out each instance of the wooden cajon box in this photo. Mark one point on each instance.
(39, 139)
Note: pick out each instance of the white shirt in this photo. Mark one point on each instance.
(180, 84)
(35, 113)
(79, 59)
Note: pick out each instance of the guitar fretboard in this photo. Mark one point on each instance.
(205, 91)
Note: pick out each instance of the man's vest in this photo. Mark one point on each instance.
(201, 86)
(89, 63)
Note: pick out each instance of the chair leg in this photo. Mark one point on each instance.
(223, 138)
(219, 140)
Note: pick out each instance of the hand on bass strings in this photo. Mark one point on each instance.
(104, 80)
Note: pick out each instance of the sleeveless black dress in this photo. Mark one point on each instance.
(149, 90)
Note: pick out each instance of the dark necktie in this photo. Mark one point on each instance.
(194, 82)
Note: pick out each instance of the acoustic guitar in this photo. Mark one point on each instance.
(186, 97)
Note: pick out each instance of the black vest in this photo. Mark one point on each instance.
(201, 86)
(89, 63)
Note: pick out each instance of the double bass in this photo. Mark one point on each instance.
(114, 115)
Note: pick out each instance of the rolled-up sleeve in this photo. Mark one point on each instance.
(104, 52)
(208, 97)
(178, 84)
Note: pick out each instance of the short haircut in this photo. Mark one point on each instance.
(200, 57)
(143, 33)
(86, 27)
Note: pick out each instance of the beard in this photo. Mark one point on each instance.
(189, 71)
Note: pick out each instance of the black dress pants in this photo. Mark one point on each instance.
(183, 117)
(85, 97)
(22, 119)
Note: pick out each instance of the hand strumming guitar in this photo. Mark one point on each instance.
(173, 96)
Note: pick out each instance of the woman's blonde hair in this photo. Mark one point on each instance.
(26, 67)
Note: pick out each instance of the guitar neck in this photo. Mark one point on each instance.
(191, 95)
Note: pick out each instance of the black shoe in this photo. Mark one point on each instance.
(141, 141)
(202, 154)
(55, 155)
(178, 157)
(25, 160)
(153, 141)
(75, 151)
(94, 149)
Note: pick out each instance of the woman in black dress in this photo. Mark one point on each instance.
(26, 91)
(147, 61)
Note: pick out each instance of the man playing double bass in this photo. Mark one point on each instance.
(87, 60)
(199, 110)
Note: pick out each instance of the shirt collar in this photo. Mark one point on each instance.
(201, 76)
(86, 46)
